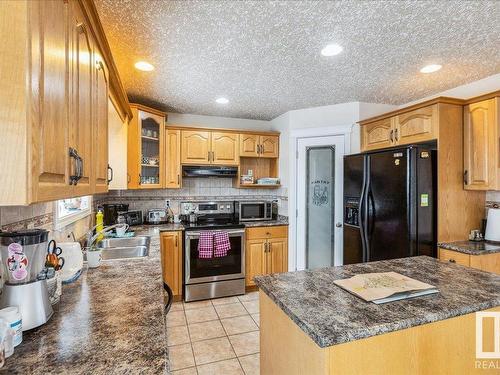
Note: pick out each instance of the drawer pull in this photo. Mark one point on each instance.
(452, 261)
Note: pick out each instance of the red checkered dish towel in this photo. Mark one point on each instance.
(222, 244)
(206, 245)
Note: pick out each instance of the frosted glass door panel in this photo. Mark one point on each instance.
(320, 188)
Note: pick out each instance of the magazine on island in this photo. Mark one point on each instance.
(385, 287)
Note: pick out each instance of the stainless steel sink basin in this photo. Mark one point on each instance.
(120, 248)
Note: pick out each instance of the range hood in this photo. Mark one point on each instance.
(209, 171)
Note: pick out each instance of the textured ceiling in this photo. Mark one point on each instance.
(264, 56)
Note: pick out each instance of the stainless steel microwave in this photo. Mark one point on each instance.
(256, 210)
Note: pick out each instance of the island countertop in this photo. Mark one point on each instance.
(110, 321)
(330, 315)
(472, 247)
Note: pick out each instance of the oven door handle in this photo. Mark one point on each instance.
(197, 234)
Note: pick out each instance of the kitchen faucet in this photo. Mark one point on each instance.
(91, 239)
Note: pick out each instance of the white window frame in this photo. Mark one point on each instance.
(61, 222)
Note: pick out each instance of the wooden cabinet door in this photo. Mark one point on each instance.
(173, 162)
(416, 126)
(480, 139)
(255, 260)
(377, 135)
(82, 95)
(277, 255)
(249, 145)
(225, 148)
(269, 146)
(50, 98)
(100, 144)
(171, 260)
(195, 147)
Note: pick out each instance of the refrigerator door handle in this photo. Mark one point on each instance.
(362, 215)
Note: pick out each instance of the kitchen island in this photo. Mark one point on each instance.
(311, 326)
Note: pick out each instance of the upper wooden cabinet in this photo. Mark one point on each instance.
(52, 121)
(378, 134)
(145, 152)
(173, 162)
(209, 147)
(195, 147)
(225, 148)
(416, 126)
(481, 145)
(253, 145)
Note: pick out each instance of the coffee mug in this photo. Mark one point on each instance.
(121, 229)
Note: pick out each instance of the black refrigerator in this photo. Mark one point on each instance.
(389, 204)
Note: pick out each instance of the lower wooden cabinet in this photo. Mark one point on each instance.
(266, 252)
(485, 262)
(171, 260)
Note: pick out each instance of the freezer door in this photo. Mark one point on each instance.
(388, 195)
(354, 244)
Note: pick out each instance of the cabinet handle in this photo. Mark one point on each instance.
(265, 247)
(73, 179)
(178, 179)
(453, 261)
(466, 177)
(213, 155)
(176, 241)
(396, 136)
(392, 136)
(112, 174)
(270, 247)
(140, 180)
(128, 178)
(209, 156)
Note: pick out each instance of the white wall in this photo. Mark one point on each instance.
(217, 122)
(467, 91)
(117, 148)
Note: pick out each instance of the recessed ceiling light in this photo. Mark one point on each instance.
(222, 100)
(332, 50)
(144, 66)
(430, 68)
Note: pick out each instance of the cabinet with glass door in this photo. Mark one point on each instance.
(146, 168)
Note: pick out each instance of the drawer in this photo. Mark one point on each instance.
(267, 232)
(454, 257)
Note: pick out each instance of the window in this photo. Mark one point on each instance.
(68, 211)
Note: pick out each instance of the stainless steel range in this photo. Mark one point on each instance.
(214, 276)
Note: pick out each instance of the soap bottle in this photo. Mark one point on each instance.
(99, 221)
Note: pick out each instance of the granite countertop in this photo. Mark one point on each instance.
(271, 223)
(331, 315)
(472, 247)
(110, 321)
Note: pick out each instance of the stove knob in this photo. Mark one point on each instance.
(228, 206)
(221, 207)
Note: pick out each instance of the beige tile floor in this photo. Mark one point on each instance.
(219, 336)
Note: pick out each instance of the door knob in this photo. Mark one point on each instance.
(338, 225)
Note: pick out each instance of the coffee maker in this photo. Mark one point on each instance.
(23, 256)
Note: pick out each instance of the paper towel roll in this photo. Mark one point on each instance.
(493, 225)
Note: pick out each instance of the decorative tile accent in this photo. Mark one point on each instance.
(29, 223)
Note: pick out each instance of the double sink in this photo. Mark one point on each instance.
(123, 248)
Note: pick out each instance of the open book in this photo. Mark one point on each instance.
(385, 287)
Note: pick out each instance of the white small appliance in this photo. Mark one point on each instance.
(157, 216)
(492, 232)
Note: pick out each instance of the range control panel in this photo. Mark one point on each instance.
(222, 207)
(351, 211)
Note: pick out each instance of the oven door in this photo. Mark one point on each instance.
(200, 270)
(252, 211)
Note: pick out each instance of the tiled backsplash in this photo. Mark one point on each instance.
(212, 188)
(493, 199)
(40, 215)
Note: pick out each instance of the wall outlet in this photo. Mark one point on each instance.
(167, 203)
